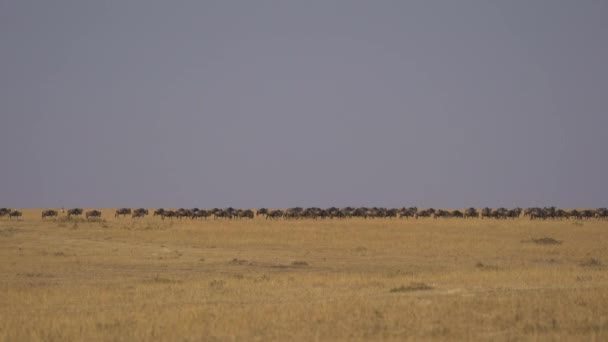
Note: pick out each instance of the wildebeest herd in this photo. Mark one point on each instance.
(333, 213)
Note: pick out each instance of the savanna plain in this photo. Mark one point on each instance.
(124, 279)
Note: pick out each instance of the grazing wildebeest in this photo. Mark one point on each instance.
(4, 212)
(408, 212)
(601, 213)
(470, 212)
(275, 214)
(14, 213)
(457, 213)
(261, 211)
(588, 213)
(159, 212)
(49, 213)
(75, 212)
(486, 212)
(247, 214)
(181, 212)
(441, 213)
(93, 214)
(168, 213)
(122, 212)
(141, 212)
(515, 213)
(202, 214)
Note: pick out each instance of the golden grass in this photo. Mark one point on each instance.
(454, 279)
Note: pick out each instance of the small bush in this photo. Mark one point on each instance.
(412, 287)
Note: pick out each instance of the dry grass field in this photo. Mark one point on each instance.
(219, 280)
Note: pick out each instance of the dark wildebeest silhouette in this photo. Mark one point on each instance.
(122, 212)
(246, 214)
(15, 214)
(457, 214)
(262, 211)
(408, 212)
(49, 213)
(168, 213)
(470, 212)
(275, 214)
(202, 214)
(93, 214)
(4, 212)
(75, 212)
(486, 212)
(141, 212)
(601, 213)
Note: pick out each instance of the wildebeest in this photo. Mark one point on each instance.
(601, 213)
(470, 212)
(202, 214)
(93, 214)
(14, 213)
(122, 212)
(246, 214)
(457, 213)
(486, 212)
(262, 211)
(167, 213)
(4, 212)
(275, 214)
(408, 212)
(49, 213)
(75, 212)
(141, 212)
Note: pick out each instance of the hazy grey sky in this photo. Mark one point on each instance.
(309, 103)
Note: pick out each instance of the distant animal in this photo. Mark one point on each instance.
(168, 213)
(202, 214)
(14, 213)
(470, 212)
(262, 211)
(141, 212)
(122, 212)
(93, 214)
(75, 212)
(275, 214)
(49, 213)
(4, 212)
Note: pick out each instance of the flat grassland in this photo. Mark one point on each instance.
(383, 279)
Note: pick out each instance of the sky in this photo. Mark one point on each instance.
(303, 103)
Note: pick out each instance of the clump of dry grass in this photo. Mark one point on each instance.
(590, 262)
(157, 279)
(298, 263)
(216, 284)
(544, 241)
(414, 286)
(486, 267)
(236, 261)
